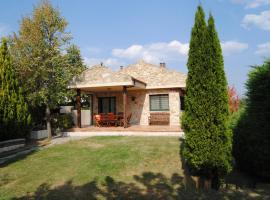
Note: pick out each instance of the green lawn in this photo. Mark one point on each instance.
(106, 168)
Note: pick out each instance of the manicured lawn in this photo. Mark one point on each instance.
(106, 168)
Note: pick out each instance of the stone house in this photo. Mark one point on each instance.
(138, 89)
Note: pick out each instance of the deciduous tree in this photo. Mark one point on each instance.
(234, 100)
(39, 53)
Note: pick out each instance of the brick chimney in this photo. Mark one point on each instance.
(163, 64)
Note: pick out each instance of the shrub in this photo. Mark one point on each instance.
(38, 117)
(251, 144)
(62, 121)
(236, 116)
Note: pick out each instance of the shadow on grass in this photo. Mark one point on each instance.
(147, 186)
(31, 147)
(237, 185)
(17, 155)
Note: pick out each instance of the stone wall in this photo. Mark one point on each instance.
(138, 104)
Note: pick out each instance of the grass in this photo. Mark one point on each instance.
(107, 168)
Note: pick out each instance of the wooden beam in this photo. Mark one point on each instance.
(78, 102)
(125, 105)
(92, 109)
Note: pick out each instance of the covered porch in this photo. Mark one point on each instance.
(106, 100)
(108, 93)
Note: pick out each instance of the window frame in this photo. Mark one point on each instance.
(111, 109)
(182, 103)
(159, 95)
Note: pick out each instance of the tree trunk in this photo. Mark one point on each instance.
(215, 182)
(48, 121)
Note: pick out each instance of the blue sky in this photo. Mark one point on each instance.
(121, 32)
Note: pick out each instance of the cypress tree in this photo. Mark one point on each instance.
(207, 146)
(14, 116)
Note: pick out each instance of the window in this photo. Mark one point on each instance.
(182, 102)
(106, 104)
(159, 102)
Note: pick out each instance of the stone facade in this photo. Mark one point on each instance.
(138, 104)
(142, 79)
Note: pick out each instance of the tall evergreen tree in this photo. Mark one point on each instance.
(251, 147)
(207, 146)
(14, 116)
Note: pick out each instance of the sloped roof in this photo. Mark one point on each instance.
(142, 74)
(155, 76)
(100, 76)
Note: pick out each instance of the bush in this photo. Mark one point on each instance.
(251, 145)
(62, 121)
(38, 117)
(235, 117)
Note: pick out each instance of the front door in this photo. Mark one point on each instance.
(106, 105)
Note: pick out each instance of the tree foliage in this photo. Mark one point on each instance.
(39, 54)
(14, 115)
(207, 146)
(234, 100)
(74, 59)
(252, 133)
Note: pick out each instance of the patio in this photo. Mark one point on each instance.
(132, 128)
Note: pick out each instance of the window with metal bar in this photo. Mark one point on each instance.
(159, 102)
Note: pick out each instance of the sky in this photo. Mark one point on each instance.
(122, 32)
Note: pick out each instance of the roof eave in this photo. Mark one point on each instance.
(80, 86)
(165, 86)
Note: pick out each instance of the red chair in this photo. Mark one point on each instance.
(112, 119)
(98, 120)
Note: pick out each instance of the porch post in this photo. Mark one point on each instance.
(78, 102)
(125, 105)
(92, 110)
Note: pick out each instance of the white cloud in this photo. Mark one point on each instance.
(155, 52)
(110, 62)
(131, 52)
(252, 3)
(258, 3)
(261, 20)
(230, 47)
(263, 48)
